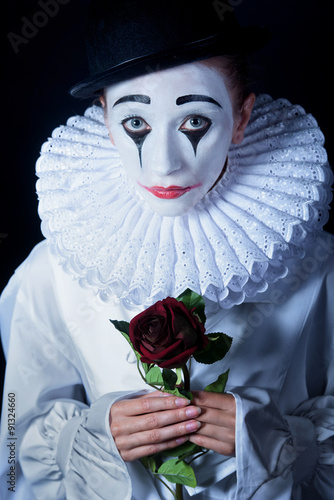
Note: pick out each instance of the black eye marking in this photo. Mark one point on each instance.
(136, 128)
(139, 141)
(196, 129)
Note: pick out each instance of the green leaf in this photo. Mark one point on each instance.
(169, 377)
(154, 376)
(149, 463)
(122, 326)
(218, 347)
(219, 385)
(191, 452)
(179, 373)
(145, 366)
(179, 472)
(183, 451)
(175, 392)
(192, 300)
(186, 394)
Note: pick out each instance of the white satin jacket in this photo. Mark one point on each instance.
(66, 365)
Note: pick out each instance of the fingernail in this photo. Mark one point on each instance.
(181, 402)
(182, 440)
(193, 426)
(193, 411)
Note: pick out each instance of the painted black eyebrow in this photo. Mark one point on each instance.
(134, 98)
(195, 98)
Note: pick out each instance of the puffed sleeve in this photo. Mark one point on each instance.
(295, 450)
(63, 446)
(68, 452)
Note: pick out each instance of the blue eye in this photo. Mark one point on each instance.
(195, 123)
(136, 128)
(136, 125)
(195, 127)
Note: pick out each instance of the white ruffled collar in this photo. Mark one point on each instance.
(236, 241)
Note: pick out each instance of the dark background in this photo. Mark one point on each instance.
(295, 65)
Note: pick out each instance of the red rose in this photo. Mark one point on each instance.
(167, 334)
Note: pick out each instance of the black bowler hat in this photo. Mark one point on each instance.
(128, 38)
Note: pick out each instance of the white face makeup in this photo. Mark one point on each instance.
(173, 130)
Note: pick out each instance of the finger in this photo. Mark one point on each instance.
(226, 435)
(224, 445)
(141, 406)
(145, 451)
(226, 449)
(131, 454)
(214, 400)
(125, 425)
(153, 394)
(156, 436)
(221, 418)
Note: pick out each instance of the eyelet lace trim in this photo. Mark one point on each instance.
(273, 196)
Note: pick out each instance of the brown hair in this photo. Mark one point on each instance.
(235, 69)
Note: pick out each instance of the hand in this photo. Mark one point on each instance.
(217, 431)
(151, 423)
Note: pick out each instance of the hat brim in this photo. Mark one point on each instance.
(244, 40)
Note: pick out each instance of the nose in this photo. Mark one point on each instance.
(164, 157)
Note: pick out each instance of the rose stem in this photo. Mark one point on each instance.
(142, 376)
(186, 378)
(186, 381)
(170, 489)
(178, 491)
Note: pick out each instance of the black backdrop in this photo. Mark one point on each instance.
(45, 55)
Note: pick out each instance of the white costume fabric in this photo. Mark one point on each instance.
(256, 231)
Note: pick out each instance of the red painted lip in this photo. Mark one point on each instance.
(169, 192)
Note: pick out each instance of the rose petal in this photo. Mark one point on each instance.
(167, 333)
(178, 361)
